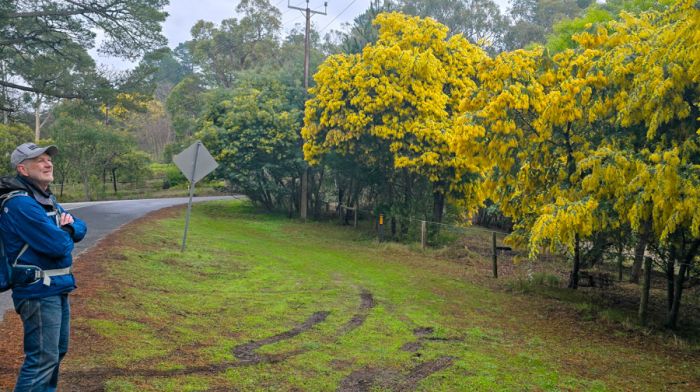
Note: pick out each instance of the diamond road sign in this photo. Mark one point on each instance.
(195, 162)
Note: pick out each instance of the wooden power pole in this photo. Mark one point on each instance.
(305, 176)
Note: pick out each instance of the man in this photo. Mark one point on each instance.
(38, 236)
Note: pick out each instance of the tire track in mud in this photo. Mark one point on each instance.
(424, 334)
(246, 352)
(91, 380)
(359, 380)
(367, 378)
(366, 305)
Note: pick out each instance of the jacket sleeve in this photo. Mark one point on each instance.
(79, 228)
(29, 221)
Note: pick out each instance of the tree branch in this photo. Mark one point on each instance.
(52, 93)
(35, 14)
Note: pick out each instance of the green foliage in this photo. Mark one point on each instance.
(11, 136)
(173, 176)
(185, 104)
(132, 166)
(234, 45)
(91, 151)
(252, 133)
(534, 20)
(161, 66)
(46, 42)
(480, 21)
(563, 30)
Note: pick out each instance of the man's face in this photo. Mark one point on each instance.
(39, 170)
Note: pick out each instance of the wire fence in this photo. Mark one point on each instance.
(469, 242)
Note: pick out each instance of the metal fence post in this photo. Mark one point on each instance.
(423, 234)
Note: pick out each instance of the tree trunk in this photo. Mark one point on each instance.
(292, 196)
(670, 283)
(407, 197)
(104, 181)
(341, 195)
(646, 286)
(37, 119)
(114, 180)
(620, 261)
(86, 186)
(573, 278)
(317, 195)
(685, 263)
(638, 259)
(672, 320)
(438, 206)
(5, 117)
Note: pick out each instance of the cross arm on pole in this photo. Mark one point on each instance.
(325, 4)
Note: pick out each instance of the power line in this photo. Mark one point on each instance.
(337, 16)
(295, 19)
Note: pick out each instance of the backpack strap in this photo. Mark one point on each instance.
(45, 275)
(9, 195)
(5, 198)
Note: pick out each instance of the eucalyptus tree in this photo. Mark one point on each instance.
(158, 72)
(185, 104)
(480, 21)
(235, 45)
(533, 20)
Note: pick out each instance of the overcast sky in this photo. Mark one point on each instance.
(183, 14)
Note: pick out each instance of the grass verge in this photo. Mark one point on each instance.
(260, 302)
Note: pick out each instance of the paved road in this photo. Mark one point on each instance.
(103, 217)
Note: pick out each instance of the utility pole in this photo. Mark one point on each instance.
(305, 176)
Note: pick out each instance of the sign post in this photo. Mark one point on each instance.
(195, 162)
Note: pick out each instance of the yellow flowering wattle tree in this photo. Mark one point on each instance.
(396, 104)
(653, 65)
(530, 110)
(600, 140)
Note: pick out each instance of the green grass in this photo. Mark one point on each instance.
(248, 276)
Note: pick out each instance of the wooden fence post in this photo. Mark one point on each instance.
(423, 234)
(381, 227)
(494, 250)
(357, 205)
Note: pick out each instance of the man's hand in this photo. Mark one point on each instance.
(66, 219)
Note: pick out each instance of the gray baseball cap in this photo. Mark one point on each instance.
(29, 151)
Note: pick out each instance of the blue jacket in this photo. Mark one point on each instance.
(24, 220)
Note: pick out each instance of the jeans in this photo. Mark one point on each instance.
(46, 332)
